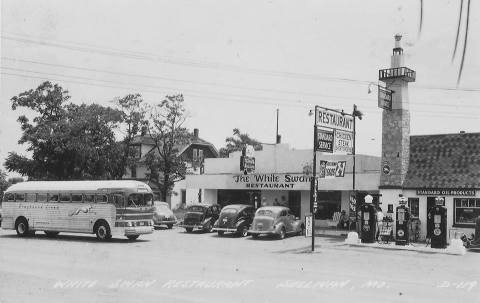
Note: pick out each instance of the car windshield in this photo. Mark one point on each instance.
(139, 200)
(265, 212)
(198, 209)
(230, 211)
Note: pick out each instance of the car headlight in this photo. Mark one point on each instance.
(129, 224)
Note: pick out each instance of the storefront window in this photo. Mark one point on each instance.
(466, 210)
(413, 204)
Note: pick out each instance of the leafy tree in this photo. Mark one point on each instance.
(67, 141)
(167, 131)
(4, 183)
(237, 142)
(133, 119)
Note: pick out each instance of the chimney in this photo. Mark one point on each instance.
(195, 132)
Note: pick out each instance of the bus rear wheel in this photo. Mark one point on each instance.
(133, 237)
(51, 234)
(21, 227)
(102, 231)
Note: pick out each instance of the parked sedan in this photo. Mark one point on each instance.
(235, 218)
(163, 215)
(275, 220)
(200, 216)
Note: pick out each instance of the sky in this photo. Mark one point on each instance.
(237, 62)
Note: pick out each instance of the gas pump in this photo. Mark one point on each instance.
(402, 223)
(438, 225)
(368, 220)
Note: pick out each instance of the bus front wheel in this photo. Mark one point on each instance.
(102, 231)
(21, 226)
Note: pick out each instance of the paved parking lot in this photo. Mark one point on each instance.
(174, 266)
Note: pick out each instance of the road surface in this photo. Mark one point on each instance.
(174, 266)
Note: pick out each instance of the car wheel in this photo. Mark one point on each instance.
(169, 226)
(244, 231)
(282, 233)
(103, 232)
(209, 228)
(133, 237)
(301, 232)
(21, 227)
(254, 236)
(51, 234)
(220, 233)
(188, 229)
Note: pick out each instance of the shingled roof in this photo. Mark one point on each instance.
(444, 161)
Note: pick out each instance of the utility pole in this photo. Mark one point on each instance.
(276, 137)
(313, 194)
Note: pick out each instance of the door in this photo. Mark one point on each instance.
(294, 202)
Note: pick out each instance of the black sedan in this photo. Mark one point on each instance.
(235, 218)
(200, 216)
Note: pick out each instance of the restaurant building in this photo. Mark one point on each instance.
(282, 176)
(422, 168)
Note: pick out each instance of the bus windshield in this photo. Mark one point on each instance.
(139, 200)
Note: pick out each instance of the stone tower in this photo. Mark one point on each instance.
(396, 122)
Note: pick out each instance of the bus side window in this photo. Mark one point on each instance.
(19, 197)
(77, 198)
(9, 197)
(41, 197)
(118, 200)
(89, 198)
(64, 197)
(52, 198)
(101, 198)
(30, 198)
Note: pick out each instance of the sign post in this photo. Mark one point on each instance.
(337, 135)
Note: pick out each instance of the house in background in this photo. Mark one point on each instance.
(193, 154)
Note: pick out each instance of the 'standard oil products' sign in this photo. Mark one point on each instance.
(335, 120)
(445, 192)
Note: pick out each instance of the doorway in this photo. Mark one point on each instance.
(295, 202)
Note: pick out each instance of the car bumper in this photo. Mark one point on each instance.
(228, 230)
(262, 232)
(194, 226)
(138, 230)
(164, 222)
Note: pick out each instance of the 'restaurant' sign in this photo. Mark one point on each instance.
(335, 120)
(446, 192)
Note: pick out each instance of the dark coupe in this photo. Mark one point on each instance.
(235, 218)
(200, 216)
(275, 220)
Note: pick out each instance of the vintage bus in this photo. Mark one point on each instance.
(105, 208)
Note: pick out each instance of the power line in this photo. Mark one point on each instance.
(231, 99)
(297, 94)
(200, 64)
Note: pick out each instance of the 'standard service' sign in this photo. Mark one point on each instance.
(331, 119)
(446, 192)
(325, 140)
